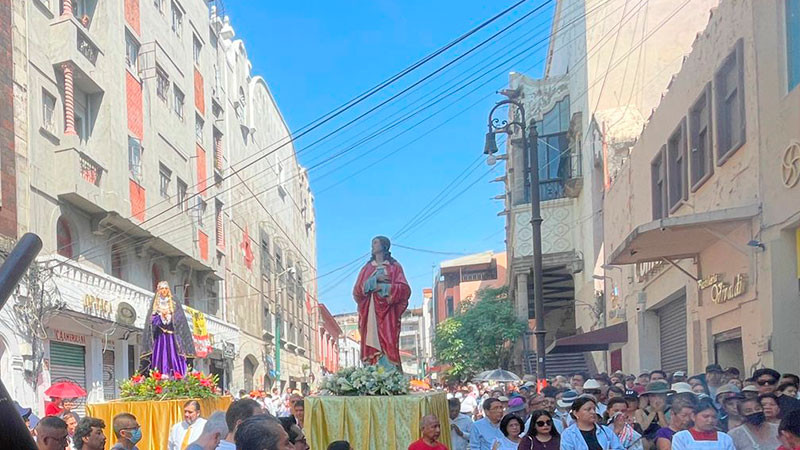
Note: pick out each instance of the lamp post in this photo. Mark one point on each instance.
(529, 138)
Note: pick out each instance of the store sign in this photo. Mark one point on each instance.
(69, 338)
(202, 346)
(722, 291)
(647, 270)
(97, 306)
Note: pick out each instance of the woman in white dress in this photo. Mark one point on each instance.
(703, 435)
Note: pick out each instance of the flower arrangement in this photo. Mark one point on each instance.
(369, 380)
(159, 386)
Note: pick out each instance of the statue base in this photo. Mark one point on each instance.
(373, 422)
(155, 417)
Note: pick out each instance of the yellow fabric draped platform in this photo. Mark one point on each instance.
(373, 423)
(156, 418)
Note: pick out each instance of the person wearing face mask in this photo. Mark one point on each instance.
(755, 433)
(127, 431)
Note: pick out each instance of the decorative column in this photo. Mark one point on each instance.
(69, 97)
(66, 8)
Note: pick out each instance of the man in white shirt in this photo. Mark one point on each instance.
(189, 429)
(460, 425)
(237, 412)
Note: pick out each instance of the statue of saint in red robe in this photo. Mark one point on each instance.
(382, 293)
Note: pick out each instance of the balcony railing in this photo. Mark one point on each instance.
(567, 185)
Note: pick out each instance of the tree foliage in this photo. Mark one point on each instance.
(480, 335)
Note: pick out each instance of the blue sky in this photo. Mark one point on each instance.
(316, 55)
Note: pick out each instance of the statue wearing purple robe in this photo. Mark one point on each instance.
(167, 343)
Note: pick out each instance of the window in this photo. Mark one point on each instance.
(178, 99)
(48, 111)
(450, 307)
(218, 159)
(63, 238)
(135, 158)
(181, 194)
(162, 84)
(701, 158)
(299, 284)
(177, 19)
(219, 224)
(117, 261)
(131, 52)
(241, 109)
(729, 94)
(553, 152)
(165, 176)
(658, 180)
(266, 258)
(201, 210)
(792, 43)
(84, 113)
(196, 47)
(198, 129)
(676, 169)
(161, 6)
(278, 260)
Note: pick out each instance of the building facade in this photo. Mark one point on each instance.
(606, 66)
(330, 338)
(460, 279)
(708, 245)
(130, 118)
(349, 353)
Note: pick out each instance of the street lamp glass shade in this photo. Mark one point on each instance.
(490, 147)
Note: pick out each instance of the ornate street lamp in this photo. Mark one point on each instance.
(529, 137)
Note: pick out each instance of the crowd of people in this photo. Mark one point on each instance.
(256, 421)
(655, 410)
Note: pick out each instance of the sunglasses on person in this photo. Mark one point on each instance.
(771, 381)
(544, 423)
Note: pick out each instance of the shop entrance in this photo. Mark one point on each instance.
(672, 332)
(728, 349)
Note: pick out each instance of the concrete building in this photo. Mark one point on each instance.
(127, 119)
(412, 342)
(349, 352)
(459, 279)
(708, 246)
(607, 64)
(330, 335)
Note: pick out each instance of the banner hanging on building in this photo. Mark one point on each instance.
(202, 344)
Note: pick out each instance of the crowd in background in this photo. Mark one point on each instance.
(718, 409)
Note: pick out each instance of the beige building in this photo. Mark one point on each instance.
(607, 64)
(130, 118)
(703, 217)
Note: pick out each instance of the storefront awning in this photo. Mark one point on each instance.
(591, 341)
(680, 236)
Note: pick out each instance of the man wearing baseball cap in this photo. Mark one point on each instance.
(767, 380)
(561, 417)
(713, 380)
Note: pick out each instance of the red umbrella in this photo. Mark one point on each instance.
(65, 389)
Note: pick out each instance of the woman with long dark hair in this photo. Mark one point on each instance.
(586, 433)
(543, 434)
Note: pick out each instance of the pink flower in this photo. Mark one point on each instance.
(177, 376)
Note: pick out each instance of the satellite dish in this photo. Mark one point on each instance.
(126, 315)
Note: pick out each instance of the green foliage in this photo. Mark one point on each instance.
(158, 386)
(480, 336)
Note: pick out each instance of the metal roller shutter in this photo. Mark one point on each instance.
(672, 330)
(68, 362)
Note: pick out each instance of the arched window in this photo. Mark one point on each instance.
(243, 106)
(117, 261)
(156, 271)
(64, 241)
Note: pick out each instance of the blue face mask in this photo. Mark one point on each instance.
(136, 436)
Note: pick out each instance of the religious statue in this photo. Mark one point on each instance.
(167, 341)
(382, 293)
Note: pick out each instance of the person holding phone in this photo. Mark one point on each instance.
(617, 417)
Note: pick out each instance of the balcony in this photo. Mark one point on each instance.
(561, 179)
(81, 179)
(71, 42)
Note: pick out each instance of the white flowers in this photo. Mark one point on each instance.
(369, 380)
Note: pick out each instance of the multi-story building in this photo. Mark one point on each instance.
(131, 118)
(349, 352)
(708, 245)
(412, 342)
(459, 279)
(330, 335)
(605, 68)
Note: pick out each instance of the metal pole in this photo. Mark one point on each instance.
(15, 434)
(536, 225)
